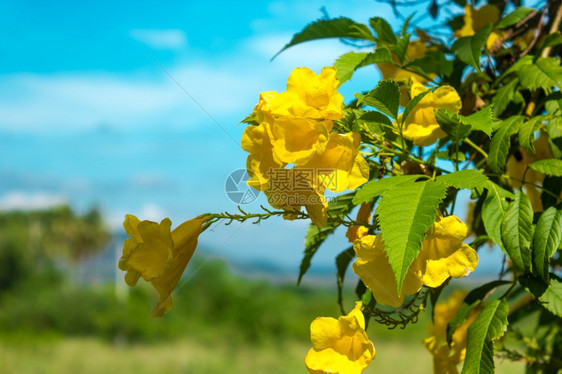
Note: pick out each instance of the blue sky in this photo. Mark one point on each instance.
(89, 117)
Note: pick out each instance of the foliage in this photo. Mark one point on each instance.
(471, 102)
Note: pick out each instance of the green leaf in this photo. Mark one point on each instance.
(517, 232)
(504, 95)
(347, 63)
(379, 124)
(342, 263)
(545, 73)
(412, 104)
(401, 47)
(552, 40)
(433, 62)
(378, 187)
(550, 166)
(471, 301)
(527, 132)
(386, 98)
(468, 179)
(546, 240)
(499, 146)
(551, 299)
(451, 124)
(482, 120)
(493, 209)
(490, 325)
(512, 18)
(469, 48)
(330, 28)
(383, 29)
(405, 213)
(315, 236)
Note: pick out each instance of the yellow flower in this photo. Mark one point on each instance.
(290, 189)
(445, 357)
(519, 161)
(339, 345)
(443, 255)
(309, 95)
(341, 166)
(158, 255)
(421, 126)
(299, 120)
(476, 19)
(364, 215)
(261, 160)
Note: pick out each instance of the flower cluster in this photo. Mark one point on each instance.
(443, 255)
(294, 128)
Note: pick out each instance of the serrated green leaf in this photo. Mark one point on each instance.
(451, 124)
(342, 263)
(499, 146)
(386, 98)
(551, 299)
(468, 179)
(349, 62)
(493, 209)
(415, 204)
(546, 240)
(517, 232)
(482, 120)
(469, 48)
(545, 73)
(512, 18)
(412, 104)
(472, 300)
(550, 166)
(341, 27)
(489, 326)
(383, 29)
(377, 187)
(379, 124)
(527, 132)
(504, 95)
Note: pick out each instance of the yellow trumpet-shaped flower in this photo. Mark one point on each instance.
(443, 255)
(421, 126)
(519, 161)
(158, 255)
(261, 159)
(446, 358)
(299, 120)
(339, 345)
(363, 215)
(476, 19)
(341, 166)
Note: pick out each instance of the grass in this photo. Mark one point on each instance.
(92, 355)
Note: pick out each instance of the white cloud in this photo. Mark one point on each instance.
(18, 200)
(160, 39)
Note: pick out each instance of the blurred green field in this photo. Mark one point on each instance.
(220, 323)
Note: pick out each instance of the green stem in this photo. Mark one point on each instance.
(476, 148)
